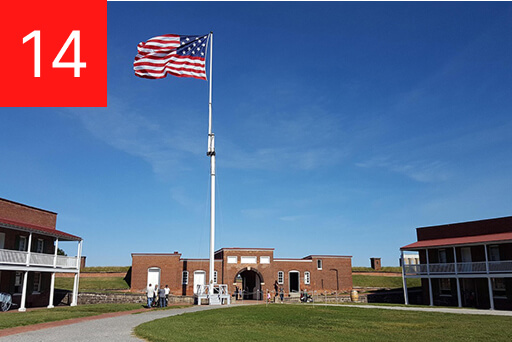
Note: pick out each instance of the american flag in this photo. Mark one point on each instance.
(182, 56)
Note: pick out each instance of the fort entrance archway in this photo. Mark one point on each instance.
(249, 280)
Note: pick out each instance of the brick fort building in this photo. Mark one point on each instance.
(253, 270)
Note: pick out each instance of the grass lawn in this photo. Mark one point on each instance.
(298, 323)
(100, 269)
(16, 319)
(93, 284)
(376, 281)
(393, 269)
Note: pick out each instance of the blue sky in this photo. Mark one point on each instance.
(340, 128)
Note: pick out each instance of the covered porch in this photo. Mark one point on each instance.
(24, 260)
(471, 271)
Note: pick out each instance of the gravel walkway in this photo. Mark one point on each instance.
(113, 329)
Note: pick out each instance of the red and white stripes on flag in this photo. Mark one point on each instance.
(182, 56)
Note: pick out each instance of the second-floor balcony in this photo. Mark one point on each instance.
(21, 258)
(480, 267)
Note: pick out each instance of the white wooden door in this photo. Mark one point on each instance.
(199, 279)
(153, 276)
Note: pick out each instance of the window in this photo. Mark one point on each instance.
(307, 278)
(17, 282)
(494, 253)
(184, 278)
(215, 277)
(37, 282)
(280, 277)
(442, 256)
(40, 246)
(232, 259)
(445, 287)
(319, 264)
(23, 243)
(264, 260)
(248, 260)
(499, 288)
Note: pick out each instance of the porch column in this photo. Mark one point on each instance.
(75, 290)
(55, 252)
(29, 248)
(52, 283)
(489, 282)
(491, 295)
(459, 299)
(24, 292)
(52, 290)
(77, 275)
(404, 280)
(429, 282)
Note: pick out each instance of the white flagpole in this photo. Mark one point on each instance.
(211, 154)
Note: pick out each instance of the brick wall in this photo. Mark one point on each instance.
(169, 265)
(335, 275)
(473, 228)
(25, 214)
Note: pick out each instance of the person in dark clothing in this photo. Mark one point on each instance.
(161, 297)
(276, 288)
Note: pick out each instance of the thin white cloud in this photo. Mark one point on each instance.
(304, 140)
(117, 125)
(418, 170)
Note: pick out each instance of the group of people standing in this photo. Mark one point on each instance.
(158, 297)
(278, 293)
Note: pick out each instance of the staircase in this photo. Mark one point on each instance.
(216, 295)
(214, 299)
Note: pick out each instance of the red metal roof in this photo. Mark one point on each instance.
(38, 229)
(464, 240)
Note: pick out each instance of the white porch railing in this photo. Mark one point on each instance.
(471, 267)
(12, 257)
(461, 268)
(216, 294)
(500, 266)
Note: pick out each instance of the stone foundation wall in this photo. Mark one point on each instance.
(316, 299)
(339, 299)
(119, 298)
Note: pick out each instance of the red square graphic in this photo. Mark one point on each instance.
(35, 34)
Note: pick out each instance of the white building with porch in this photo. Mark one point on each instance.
(29, 242)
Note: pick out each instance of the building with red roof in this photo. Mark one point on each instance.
(29, 242)
(465, 264)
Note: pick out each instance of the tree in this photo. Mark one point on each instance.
(61, 252)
